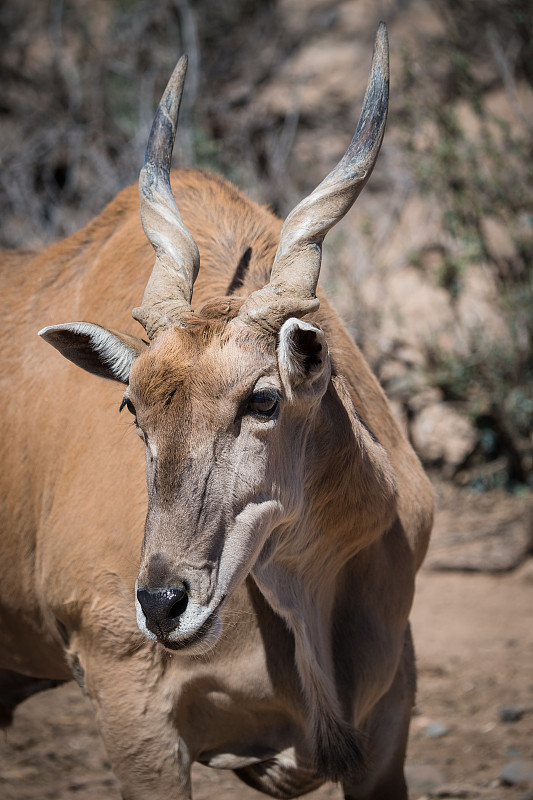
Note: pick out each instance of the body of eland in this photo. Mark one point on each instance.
(260, 622)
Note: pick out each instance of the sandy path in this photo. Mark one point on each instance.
(474, 637)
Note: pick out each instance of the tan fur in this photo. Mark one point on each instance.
(314, 661)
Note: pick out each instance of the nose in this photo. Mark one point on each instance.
(162, 608)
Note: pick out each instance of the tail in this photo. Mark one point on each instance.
(341, 751)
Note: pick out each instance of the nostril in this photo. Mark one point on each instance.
(162, 607)
(179, 606)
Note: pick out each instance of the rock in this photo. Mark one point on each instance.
(498, 240)
(437, 730)
(439, 433)
(480, 318)
(511, 713)
(517, 772)
(427, 396)
(526, 571)
(496, 550)
(412, 310)
(487, 532)
(454, 790)
(423, 777)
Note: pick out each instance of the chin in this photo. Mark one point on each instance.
(199, 643)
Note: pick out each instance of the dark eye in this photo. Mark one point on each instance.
(126, 402)
(264, 402)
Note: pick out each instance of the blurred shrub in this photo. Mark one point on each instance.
(79, 82)
(479, 167)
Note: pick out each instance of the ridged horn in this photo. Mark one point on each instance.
(168, 293)
(292, 286)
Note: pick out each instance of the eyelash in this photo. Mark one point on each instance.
(263, 403)
(269, 399)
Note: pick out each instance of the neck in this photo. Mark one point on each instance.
(348, 502)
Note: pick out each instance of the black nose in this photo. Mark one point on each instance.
(162, 608)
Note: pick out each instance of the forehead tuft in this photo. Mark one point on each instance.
(162, 368)
(204, 350)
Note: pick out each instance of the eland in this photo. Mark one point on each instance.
(240, 595)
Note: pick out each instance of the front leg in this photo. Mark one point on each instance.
(339, 747)
(135, 700)
(388, 730)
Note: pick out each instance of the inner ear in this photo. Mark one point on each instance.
(308, 349)
(303, 352)
(104, 352)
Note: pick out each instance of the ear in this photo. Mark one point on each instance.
(107, 353)
(303, 354)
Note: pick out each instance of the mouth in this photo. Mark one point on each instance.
(206, 636)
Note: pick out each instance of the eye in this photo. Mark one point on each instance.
(126, 402)
(265, 402)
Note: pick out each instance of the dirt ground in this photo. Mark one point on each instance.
(474, 715)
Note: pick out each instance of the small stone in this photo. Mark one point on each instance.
(18, 773)
(423, 777)
(511, 713)
(488, 727)
(517, 772)
(420, 723)
(437, 730)
(455, 791)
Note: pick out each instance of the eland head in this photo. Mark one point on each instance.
(225, 396)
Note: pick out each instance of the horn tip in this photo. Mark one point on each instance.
(382, 34)
(382, 42)
(174, 88)
(181, 66)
